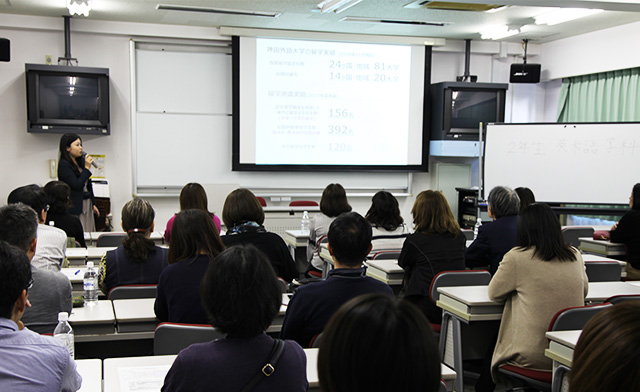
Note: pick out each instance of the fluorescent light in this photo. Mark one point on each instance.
(562, 15)
(79, 7)
(336, 6)
(172, 7)
(498, 32)
(393, 21)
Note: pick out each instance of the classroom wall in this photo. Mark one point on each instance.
(106, 44)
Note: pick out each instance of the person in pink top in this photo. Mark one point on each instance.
(192, 196)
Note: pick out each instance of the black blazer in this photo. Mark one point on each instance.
(68, 173)
(494, 240)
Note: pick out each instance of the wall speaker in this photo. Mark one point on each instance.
(5, 52)
(525, 73)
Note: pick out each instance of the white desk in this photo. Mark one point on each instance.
(91, 372)
(600, 291)
(296, 238)
(561, 346)
(151, 371)
(93, 320)
(135, 315)
(387, 271)
(470, 303)
(79, 256)
(601, 247)
(75, 276)
(91, 237)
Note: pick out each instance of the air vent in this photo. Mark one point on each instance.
(208, 10)
(451, 6)
(396, 21)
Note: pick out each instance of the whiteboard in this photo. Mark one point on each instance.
(182, 127)
(565, 163)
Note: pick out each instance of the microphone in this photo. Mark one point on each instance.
(94, 164)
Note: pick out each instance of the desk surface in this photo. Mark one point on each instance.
(561, 346)
(91, 372)
(75, 275)
(566, 338)
(100, 313)
(600, 291)
(133, 310)
(469, 295)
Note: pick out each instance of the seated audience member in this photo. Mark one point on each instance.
(332, 203)
(607, 356)
(192, 196)
(195, 242)
(437, 245)
(526, 197)
(498, 237)
(138, 260)
(30, 362)
(52, 242)
(313, 304)
(51, 291)
(627, 231)
(59, 203)
(243, 216)
(389, 229)
(535, 280)
(374, 335)
(242, 296)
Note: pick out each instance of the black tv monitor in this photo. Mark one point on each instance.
(459, 108)
(63, 99)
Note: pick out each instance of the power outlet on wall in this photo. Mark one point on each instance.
(48, 59)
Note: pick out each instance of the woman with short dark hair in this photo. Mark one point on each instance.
(192, 196)
(243, 216)
(437, 245)
(241, 294)
(536, 279)
(58, 193)
(526, 197)
(332, 203)
(195, 242)
(389, 230)
(138, 260)
(374, 336)
(627, 231)
(607, 356)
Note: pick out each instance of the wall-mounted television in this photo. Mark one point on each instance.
(63, 99)
(459, 108)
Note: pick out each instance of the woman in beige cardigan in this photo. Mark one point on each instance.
(535, 280)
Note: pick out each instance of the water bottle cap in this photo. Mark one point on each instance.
(89, 264)
(63, 316)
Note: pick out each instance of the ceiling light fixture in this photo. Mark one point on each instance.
(392, 21)
(79, 7)
(562, 15)
(171, 7)
(336, 6)
(498, 32)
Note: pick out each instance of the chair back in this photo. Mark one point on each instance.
(468, 234)
(284, 286)
(603, 271)
(442, 387)
(575, 318)
(617, 299)
(131, 291)
(570, 235)
(303, 203)
(386, 255)
(457, 278)
(110, 239)
(560, 379)
(315, 340)
(262, 201)
(170, 338)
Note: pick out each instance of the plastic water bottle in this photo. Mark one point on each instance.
(64, 332)
(90, 283)
(305, 224)
(476, 227)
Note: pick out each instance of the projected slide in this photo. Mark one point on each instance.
(334, 103)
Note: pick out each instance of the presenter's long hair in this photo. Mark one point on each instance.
(384, 211)
(65, 142)
(193, 234)
(539, 228)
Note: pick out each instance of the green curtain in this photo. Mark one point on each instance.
(603, 97)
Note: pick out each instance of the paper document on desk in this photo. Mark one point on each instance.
(142, 378)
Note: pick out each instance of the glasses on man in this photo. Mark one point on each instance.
(29, 285)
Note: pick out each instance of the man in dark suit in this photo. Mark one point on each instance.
(498, 237)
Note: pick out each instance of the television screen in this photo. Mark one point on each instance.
(469, 108)
(67, 99)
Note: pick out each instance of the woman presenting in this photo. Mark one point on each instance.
(73, 169)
